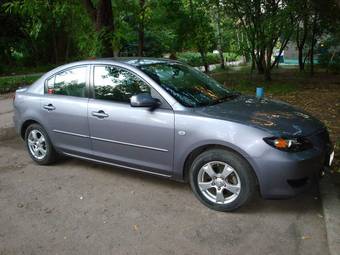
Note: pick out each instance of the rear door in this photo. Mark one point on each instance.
(65, 110)
(130, 136)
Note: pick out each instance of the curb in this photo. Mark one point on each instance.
(330, 196)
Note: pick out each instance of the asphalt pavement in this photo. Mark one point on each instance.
(76, 207)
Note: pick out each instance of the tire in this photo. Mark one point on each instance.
(37, 142)
(230, 185)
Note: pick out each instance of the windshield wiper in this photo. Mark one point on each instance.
(225, 98)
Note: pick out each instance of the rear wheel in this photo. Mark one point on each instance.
(222, 180)
(39, 145)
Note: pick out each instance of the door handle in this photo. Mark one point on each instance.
(49, 107)
(100, 114)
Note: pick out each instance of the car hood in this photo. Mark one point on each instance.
(275, 117)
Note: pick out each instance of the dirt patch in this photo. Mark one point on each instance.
(7, 133)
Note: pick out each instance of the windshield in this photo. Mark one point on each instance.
(187, 85)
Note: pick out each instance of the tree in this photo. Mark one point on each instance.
(46, 23)
(216, 13)
(314, 19)
(199, 29)
(141, 24)
(265, 23)
(102, 17)
(303, 11)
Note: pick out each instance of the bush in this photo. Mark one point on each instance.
(194, 58)
(9, 84)
(231, 56)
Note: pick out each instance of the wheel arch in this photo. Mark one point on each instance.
(198, 150)
(25, 125)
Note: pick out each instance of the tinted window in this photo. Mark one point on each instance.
(71, 82)
(117, 84)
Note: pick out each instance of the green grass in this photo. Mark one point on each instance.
(9, 84)
(284, 80)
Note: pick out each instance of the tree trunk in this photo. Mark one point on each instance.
(312, 59)
(55, 44)
(267, 74)
(141, 40)
(102, 17)
(301, 61)
(105, 24)
(204, 61)
(173, 55)
(268, 64)
(219, 35)
(301, 43)
(312, 47)
(260, 62)
(141, 28)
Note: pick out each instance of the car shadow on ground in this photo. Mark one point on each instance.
(302, 203)
(309, 201)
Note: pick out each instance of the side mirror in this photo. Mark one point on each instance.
(144, 100)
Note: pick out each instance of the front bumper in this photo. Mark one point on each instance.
(284, 174)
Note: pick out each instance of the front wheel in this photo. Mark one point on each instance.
(222, 180)
(39, 145)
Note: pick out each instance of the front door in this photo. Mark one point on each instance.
(65, 110)
(125, 135)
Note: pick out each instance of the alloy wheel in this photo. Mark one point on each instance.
(37, 144)
(219, 182)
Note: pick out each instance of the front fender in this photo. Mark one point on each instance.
(201, 132)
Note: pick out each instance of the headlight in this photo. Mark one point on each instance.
(289, 144)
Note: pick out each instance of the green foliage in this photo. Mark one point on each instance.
(9, 84)
(52, 31)
(41, 32)
(194, 58)
(263, 24)
(231, 56)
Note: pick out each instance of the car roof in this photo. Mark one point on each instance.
(127, 61)
(132, 61)
(137, 61)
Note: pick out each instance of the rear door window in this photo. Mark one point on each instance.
(71, 82)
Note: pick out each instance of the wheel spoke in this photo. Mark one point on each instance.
(235, 189)
(209, 170)
(42, 151)
(35, 151)
(205, 185)
(219, 196)
(226, 171)
(41, 140)
(34, 135)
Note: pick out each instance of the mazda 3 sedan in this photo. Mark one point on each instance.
(165, 118)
